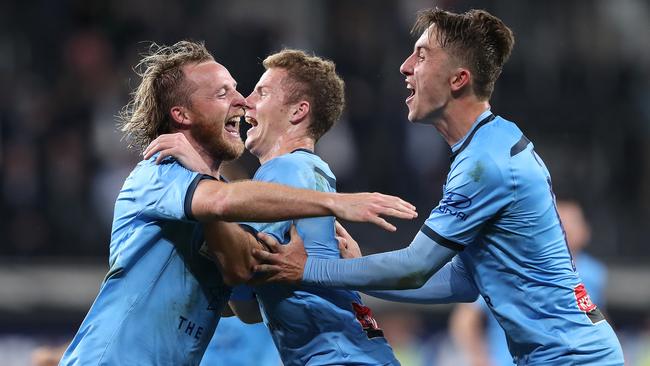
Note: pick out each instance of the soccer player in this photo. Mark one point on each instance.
(162, 297)
(486, 345)
(496, 231)
(296, 101)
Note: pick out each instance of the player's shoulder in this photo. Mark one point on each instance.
(291, 169)
(290, 163)
(474, 167)
(168, 170)
(497, 138)
(494, 144)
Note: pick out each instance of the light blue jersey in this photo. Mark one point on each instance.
(160, 301)
(593, 275)
(498, 210)
(312, 325)
(238, 344)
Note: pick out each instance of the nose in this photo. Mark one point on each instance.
(238, 100)
(407, 66)
(250, 101)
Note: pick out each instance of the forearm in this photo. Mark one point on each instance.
(260, 202)
(401, 269)
(448, 285)
(231, 247)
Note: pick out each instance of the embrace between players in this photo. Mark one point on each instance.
(495, 231)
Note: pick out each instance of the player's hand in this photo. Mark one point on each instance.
(370, 207)
(176, 145)
(348, 247)
(283, 263)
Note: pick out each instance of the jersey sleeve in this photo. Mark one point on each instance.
(165, 191)
(287, 170)
(476, 190)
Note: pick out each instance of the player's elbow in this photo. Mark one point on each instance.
(413, 281)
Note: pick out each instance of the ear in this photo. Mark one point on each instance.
(181, 116)
(460, 79)
(299, 112)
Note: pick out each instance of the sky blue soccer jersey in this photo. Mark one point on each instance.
(498, 210)
(161, 299)
(313, 325)
(238, 344)
(495, 232)
(593, 275)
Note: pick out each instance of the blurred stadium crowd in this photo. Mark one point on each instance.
(578, 84)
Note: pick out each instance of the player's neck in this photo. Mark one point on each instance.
(457, 119)
(287, 144)
(212, 163)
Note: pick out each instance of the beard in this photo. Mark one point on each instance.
(209, 134)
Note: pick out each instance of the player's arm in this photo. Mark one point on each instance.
(244, 304)
(406, 268)
(449, 285)
(231, 248)
(265, 202)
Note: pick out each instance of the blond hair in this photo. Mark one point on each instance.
(314, 79)
(163, 86)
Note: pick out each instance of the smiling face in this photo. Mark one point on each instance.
(267, 113)
(428, 72)
(215, 109)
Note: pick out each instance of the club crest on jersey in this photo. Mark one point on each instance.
(452, 203)
(585, 305)
(367, 321)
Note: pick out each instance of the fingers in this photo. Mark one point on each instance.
(164, 142)
(163, 154)
(383, 224)
(388, 211)
(294, 232)
(340, 230)
(270, 242)
(269, 269)
(404, 208)
(343, 244)
(264, 256)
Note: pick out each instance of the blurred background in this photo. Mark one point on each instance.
(577, 84)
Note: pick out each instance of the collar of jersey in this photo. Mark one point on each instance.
(303, 150)
(459, 146)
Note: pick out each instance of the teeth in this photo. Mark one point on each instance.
(251, 121)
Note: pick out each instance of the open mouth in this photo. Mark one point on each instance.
(250, 120)
(411, 90)
(232, 125)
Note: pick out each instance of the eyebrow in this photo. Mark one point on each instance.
(228, 86)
